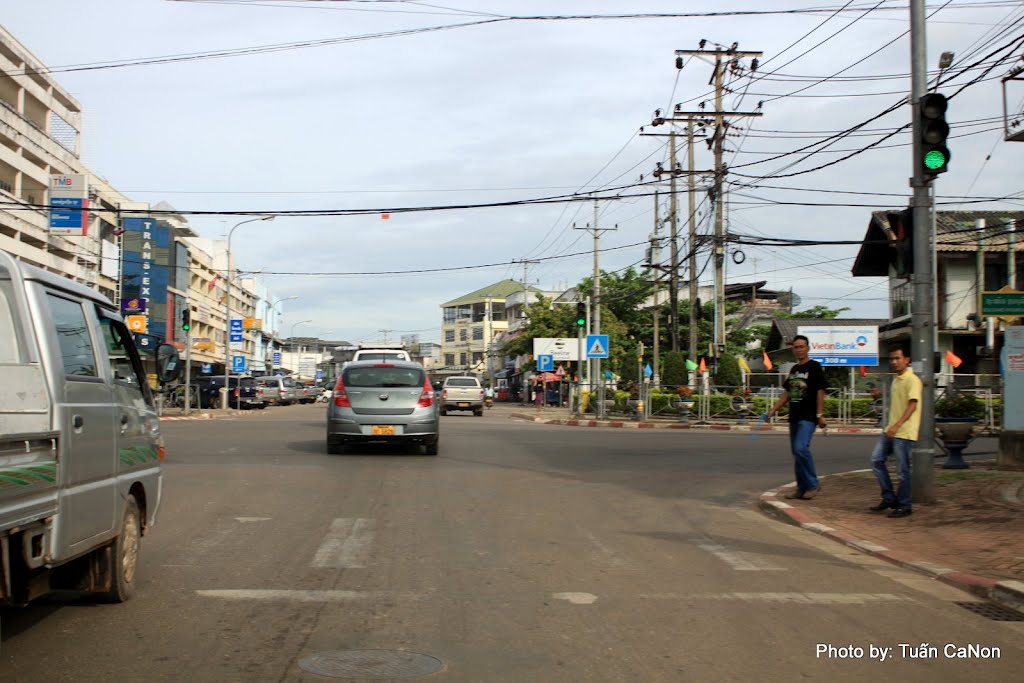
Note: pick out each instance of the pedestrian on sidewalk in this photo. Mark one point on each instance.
(804, 390)
(538, 392)
(899, 436)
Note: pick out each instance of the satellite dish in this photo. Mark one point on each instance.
(797, 300)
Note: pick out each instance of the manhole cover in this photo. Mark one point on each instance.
(371, 664)
(992, 611)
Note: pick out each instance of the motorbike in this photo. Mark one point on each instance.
(488, 401)
(325, 396)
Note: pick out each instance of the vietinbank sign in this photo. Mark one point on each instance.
(842, 345)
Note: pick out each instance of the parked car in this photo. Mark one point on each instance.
(462, 393)
(389, 403)
(243, 392)
(279, 390)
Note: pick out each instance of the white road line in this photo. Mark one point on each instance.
(302, 596)
(347, 544)
(740, 561)
(607, 556)
(252, 519)
(796, 598)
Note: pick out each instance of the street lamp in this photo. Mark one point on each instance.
(273, 326)
(227, 307)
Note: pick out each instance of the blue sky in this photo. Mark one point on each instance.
(499, 112)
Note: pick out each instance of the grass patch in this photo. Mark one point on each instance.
(952, 476)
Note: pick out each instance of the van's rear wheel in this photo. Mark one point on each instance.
(124, 551)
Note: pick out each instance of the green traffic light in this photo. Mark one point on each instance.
(934, 159)
(580, 322)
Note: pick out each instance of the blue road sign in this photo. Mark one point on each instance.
(277, 359)
(648, 371)
(236, 324)
(236, 337)
(238, 364)
(69, 216)
(206, 368)
(545, 362)
(597, 346)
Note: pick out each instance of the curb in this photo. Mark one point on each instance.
(633, 424)
(1007, 593)
(207, 415)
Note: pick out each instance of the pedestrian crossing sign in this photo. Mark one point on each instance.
(597, 346)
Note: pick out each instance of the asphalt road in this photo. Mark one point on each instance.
(523, 552)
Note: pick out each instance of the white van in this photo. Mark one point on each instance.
(383, 353)
(80, 444)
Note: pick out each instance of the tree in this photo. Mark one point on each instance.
(820, 312)
(673, 369)
(728, 373)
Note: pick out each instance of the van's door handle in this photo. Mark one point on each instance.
(77, 421)
(124, 424)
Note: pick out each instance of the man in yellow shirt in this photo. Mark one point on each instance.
(899, 436)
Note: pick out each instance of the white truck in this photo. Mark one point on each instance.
(382, 352)
(80, 444)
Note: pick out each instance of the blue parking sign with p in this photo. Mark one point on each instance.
(238, 364)
(545, 362)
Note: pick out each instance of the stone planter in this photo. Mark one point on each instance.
(955, 434)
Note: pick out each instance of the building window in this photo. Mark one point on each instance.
(449, 359)
(449, 335)
(478, 334)
(899, 300)
(462, 334)
(462, 359)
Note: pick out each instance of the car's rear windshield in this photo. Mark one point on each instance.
(381, 377)
(462, 382)
(381, 356)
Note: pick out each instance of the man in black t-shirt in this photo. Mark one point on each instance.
(805, 393)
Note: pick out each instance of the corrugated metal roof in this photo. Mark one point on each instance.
(499, 290)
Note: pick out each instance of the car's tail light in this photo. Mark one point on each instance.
(236, 393)
(426, 396)
(383, 365)
(481, 393)
(340, 397)
(259, 392)
(280, 392)
(444, 394)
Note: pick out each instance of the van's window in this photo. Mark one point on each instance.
(76, 349)
(383, 377)
(382, 356)
(10, 332)
(122, 369)
(462, 382)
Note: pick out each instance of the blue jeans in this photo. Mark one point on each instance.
(902, 449)
(800, 434)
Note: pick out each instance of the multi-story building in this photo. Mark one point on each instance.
(469, 325)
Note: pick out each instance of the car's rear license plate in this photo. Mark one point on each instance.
(383, 430)
(463, 405)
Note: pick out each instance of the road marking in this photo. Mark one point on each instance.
(796, 598)
(347, 544)
(252, 519)
(738, 560)
(576, 598)
(608, 556)
(301, 596)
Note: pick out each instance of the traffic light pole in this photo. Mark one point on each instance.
(922, 318)
(188, 371)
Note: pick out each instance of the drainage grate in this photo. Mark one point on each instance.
(992, 611)
(371, 664)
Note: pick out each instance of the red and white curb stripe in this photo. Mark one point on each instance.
(632, 424)
(1008, 593)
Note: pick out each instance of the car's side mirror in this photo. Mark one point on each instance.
(168, 363)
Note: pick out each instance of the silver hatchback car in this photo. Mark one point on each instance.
(389, 403)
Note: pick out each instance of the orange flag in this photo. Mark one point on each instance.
(385, 216)
(863, 371)
(703, 368)
(767, 361)
(953, 359)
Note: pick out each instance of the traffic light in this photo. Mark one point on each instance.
(901, 254)
(934, 131)
(581, 314)
(186, 319)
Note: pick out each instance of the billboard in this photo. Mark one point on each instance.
(559, 348)
(145, 271)
(69, 202)
(840, 345)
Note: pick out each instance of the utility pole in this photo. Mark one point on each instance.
(595, 318)
(526, 265)
(922, 319)
(722, 57)
(692, 257)
(656, 258)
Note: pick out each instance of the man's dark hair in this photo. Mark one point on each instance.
(901, 348)
(800, 336)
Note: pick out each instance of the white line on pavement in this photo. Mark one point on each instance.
(740, 561)
(797, 598)
(347, 544)
(301, 596)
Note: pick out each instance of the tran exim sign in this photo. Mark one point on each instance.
(842, 345)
